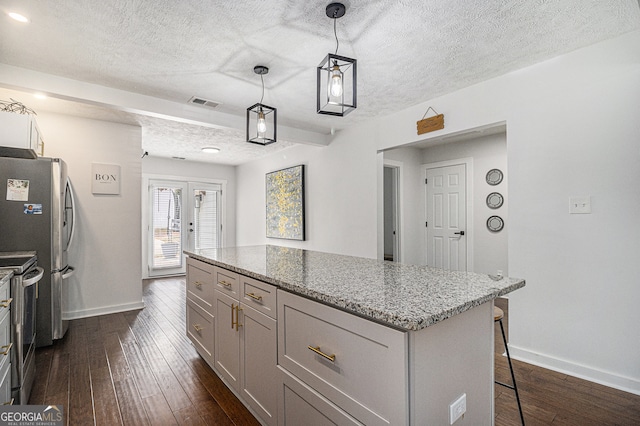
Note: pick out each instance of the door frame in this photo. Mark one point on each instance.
(145, 219)
(468, 163)
(398, 243)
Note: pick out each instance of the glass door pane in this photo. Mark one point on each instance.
(205, 223)
(166, 223)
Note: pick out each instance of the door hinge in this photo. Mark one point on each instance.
(426, 181)
(426, 224)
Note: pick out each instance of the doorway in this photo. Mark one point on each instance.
(391, 193)
(182, 216)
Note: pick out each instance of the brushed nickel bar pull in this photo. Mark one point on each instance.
(197, 327)
(224, 283)
(7, 349)
(254, 297)
(6, 303)
(317, 350)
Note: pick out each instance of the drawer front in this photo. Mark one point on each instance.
(260, 296)
(200, 283)
(5, 340)
(5, 385)
(5, 298)
(301, 405)
(200, 329)
(361, 358)
(228, 283)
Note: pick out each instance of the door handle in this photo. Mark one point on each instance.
(461, 233)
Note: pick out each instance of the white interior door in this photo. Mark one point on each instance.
(446, 217)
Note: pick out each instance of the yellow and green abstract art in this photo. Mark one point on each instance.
(285, 203)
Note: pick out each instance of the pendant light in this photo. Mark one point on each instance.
(261, 119)
(336, 83)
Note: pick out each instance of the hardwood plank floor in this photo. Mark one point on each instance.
(139, 368)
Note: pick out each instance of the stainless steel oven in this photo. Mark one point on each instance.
(24, 292)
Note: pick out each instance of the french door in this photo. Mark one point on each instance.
(183, 216)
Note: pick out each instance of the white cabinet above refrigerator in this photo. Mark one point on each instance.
(21, 136)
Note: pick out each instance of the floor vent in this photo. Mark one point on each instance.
(179, 158)
(204, 102)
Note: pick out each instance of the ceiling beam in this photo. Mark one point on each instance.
(92, 94)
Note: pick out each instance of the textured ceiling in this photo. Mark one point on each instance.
(408, 51)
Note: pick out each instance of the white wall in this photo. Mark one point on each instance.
(572, 130)
(106, 247)
(341, 195)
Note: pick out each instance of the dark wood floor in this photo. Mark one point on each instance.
(139, 368)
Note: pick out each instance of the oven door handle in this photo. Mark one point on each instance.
(31, 281)
(68, 271)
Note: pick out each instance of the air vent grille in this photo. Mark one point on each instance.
(204, 102)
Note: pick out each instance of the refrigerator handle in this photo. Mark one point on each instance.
(73, 214)
(69, 270)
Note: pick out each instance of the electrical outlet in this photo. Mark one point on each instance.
(457, 408)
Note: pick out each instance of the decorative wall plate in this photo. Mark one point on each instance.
(494, 200)
(495, 224)
(494, 177)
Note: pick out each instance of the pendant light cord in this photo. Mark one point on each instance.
(262, 80)
(336, 35)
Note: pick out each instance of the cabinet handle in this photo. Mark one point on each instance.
(254, 297)
(6, 303)
(197, 327)
(317, 350)
(224, 283)
(9, 402)
(235, 322)
(198, 284)
(7, 349)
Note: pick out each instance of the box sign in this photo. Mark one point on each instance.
(105, 179)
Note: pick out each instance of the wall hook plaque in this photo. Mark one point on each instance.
(430, 124)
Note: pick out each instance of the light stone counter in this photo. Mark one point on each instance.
(403, 296)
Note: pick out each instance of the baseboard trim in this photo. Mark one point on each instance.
(606, 378)
(105, 310)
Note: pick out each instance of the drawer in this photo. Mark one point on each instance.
(301, 405)
(200, 329)
(5, 300)
(260, 296)
(228, 283)
(5, 333)
(367, 357)
(200, 283)
(5, 385)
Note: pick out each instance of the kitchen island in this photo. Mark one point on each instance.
(359, 341)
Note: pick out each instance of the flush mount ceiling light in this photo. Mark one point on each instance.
(337, 78)
(211, 150)
(261, 119)
(18, 17)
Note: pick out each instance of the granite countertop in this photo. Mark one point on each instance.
(404, 296)
(5, 276)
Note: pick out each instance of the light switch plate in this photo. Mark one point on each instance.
(580, 205)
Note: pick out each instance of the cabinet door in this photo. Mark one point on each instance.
(258, 351)
(227, 339)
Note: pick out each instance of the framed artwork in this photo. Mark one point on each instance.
(285, 203)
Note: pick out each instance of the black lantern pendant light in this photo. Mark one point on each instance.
(336, 76)
(261, 119)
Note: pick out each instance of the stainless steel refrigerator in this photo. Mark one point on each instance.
(37, 213)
